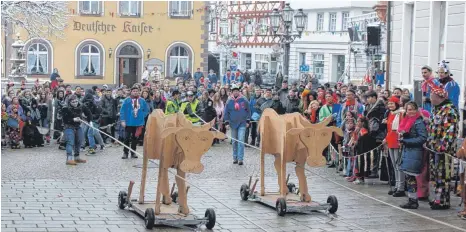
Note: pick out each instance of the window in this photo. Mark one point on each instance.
(89, 61)
(264, 28)
(180, 8)
(344, 21)
(179, 60)
(248, 28)
(320, 22)
(38, 59)
(235, 28)
(318, 65)
(223, 28)
(90, 7)
(213, 23)
(273, 65)
(248, 61)
(262, 62)
(130, 8)
(302, 58)
(333, 22)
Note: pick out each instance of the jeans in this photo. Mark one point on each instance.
(93, 133)
(74, 137)
(395, 156)
(238, 148)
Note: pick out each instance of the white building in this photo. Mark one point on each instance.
(249, 21)
(324, 45)
(424, 33)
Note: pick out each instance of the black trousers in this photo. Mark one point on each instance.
(253, 127)
(130, 139)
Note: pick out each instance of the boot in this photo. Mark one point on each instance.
(399, 194)
(134, 156)
(412, 204)
(125, 156)
(79, 160)
(392, 191)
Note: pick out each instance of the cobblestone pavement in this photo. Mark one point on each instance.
(41, 193)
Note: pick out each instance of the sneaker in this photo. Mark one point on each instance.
(134, 156)
(80, 161)
(399, 194)
(412, 204)
(102, 147)
(332, 165)
(61, 147)
(235, 161)
(240, 162)
(351, 178)
(392, 191)
(91, 151)
(358, 181)
(125, 156)
(70, 162)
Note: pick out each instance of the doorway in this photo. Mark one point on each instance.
(128, 58)
(129, 71)
(340, 66)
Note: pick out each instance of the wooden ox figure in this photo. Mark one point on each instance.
(177, 144)
(291, 138)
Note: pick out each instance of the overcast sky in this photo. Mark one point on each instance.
(318, 4)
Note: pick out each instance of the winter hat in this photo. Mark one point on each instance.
(234, 86)
(394, 99)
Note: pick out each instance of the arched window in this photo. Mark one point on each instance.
(179, 60)
(90, 61)
(38, 59)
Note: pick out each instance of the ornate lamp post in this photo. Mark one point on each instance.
(282, 27)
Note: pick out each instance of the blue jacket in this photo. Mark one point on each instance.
(413, 151)
(127, 114)
(252, 103)
(197, 76)
(453, 90)
(237, 118)
(227, 80)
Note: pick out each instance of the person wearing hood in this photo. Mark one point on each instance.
(73, 113)
(96, 112)
(59, 104)
(132, 114)
(237, 116)
(109, 112)
(30, 133)
(375, 113)
(209, 112)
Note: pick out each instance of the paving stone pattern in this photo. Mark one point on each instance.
(41, 193)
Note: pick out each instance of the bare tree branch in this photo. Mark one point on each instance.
(38, 18)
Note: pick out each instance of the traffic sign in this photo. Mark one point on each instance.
(304, 68)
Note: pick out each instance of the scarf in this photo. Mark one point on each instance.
(396, 120)
(445, 80)
(136, 106)
(425, 84)
(313, 115)
(236, 101)
(408, 122)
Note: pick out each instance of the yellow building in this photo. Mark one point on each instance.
(112, 42)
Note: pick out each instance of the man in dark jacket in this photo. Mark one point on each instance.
(109, 113)
(283, 92)
(292, 102)
(375, 112)
(96, 112)
(72, 116)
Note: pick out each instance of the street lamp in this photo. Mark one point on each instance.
(282, 28)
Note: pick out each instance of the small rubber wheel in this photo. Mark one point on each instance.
(244, 192)
(174, 196)
(149, 218)
(122, 199)
(291, 187)
(332, 200)
(210, 215)
(280, 205)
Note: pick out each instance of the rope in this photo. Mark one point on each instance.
(363, 194)
(171, 172)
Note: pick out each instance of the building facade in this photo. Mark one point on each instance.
(252, 46)
(324, 48)
(112, 42)
(424, 33)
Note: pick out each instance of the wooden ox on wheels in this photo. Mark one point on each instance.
(291, 138)
(177, 144)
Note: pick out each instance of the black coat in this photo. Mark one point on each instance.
(375, 115)
(209, 113)
(292, 105)
(72, 112)
(109, 107)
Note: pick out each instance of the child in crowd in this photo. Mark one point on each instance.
(348, 149)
